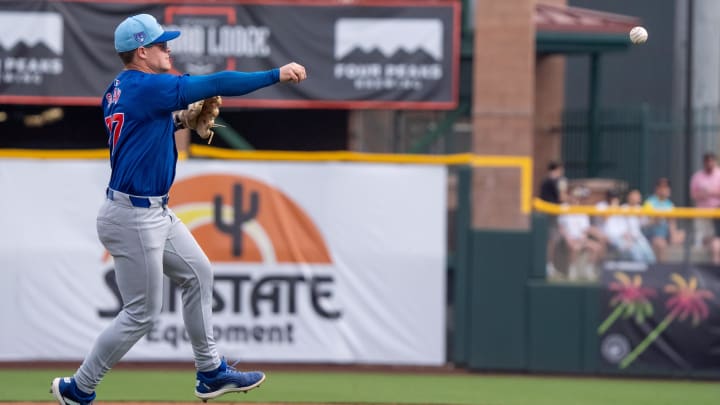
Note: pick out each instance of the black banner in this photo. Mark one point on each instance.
(360, 54)
(666, 317)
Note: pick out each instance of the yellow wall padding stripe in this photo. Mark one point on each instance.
(524, 163)
(341, 156)
(677, 212)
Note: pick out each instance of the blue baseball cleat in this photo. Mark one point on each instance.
(67, 393)
(225, 379)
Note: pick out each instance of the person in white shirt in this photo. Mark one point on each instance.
(624, 233)
(581, 238)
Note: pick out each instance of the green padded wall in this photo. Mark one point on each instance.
(555, 318)
(497, 279)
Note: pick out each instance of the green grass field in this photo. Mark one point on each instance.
(393, 388)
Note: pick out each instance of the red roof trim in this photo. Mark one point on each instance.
(581, 20)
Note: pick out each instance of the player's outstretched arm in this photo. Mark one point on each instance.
(202, 93)
(232, 83)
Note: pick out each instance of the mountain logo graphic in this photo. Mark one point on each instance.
(240, 219)
(31, 29)
(389, 36)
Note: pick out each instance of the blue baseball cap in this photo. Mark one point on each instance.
(140, 30)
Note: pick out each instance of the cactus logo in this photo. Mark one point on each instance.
(240, 219)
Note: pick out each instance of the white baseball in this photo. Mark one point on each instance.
(638, 35)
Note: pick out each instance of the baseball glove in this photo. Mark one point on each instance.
(200, 116)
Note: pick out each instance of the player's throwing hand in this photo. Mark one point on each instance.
(292, 72)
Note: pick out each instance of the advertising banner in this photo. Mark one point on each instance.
(360, 54)
(313, 262)
(664, 317)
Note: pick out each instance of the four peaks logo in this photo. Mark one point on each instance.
(388, 53)
(31, 45)
(239, 219)
(389, 35)
(31, 29)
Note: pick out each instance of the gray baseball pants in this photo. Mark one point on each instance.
(145, 243)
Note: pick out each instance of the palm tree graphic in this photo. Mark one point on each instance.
(630, 299)
(686, 300)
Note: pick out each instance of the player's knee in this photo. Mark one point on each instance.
(144, 320)
(201, 279)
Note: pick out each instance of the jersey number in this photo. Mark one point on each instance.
(114, 125)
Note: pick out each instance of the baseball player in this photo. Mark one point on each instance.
(136, 226)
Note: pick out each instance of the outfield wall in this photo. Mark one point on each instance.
(357, 274)
(509, 317)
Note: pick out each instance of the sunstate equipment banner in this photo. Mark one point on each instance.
(660, 316)
(313, 262)
(359, 54)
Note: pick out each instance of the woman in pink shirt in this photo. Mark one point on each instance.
(705, 191)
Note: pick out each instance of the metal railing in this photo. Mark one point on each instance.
(638, 145)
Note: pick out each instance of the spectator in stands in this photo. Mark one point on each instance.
(634, 201)
(585, 243)
(662, 231)
(624, 233)
(705, 192)
(553, 189)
